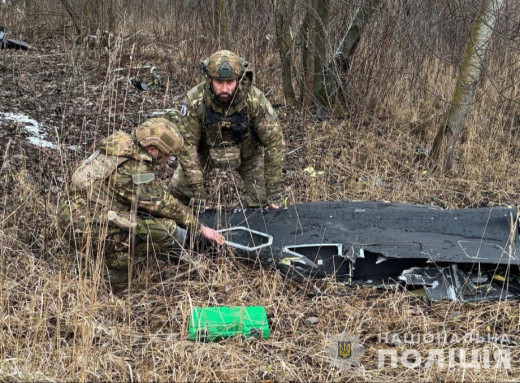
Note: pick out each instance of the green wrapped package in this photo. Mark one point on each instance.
(213, 323)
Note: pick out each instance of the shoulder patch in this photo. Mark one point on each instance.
(184, 110)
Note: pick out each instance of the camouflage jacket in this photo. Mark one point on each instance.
(251, 109)
(107, 178)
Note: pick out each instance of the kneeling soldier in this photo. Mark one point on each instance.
(115, 204)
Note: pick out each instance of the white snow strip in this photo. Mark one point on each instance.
(21, 118)
(36, 141)
(37, 132)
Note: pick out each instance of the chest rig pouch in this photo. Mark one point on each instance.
(225, 134)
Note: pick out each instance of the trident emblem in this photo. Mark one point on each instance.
(344, 350)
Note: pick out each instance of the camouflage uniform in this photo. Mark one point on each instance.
(97, 215)
(243, 134)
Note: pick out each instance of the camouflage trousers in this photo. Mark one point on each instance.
(91, 232)
(251, 171)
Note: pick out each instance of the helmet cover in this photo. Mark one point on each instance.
(161, 133)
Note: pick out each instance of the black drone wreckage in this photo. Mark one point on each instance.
(458, 255)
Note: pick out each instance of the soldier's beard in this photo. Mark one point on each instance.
(224, 98)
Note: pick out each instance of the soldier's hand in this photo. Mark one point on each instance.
(212, 235)
(274, 202)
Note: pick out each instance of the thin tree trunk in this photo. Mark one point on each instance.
(347, 46)
(223, 23)
(340, 61)
(284, 18)
(233, 22)
(305, 80)
(464, 94)
(320, 52)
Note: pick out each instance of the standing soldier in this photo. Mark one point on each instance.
(115, 203)
(228, 123)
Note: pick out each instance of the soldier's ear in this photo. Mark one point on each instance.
(248, 77)
(204, 67)
(243, 67)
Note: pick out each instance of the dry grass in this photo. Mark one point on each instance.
(62, 326)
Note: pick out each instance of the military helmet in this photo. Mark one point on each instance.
(162, 134)
(224, 65)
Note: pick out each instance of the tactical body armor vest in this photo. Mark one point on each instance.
(224, 135)
(232, 128)
(228, 133)
(91, 174)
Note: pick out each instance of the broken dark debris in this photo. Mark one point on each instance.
(453, 284)
(6, 43)
(152, 82)
(462, 255)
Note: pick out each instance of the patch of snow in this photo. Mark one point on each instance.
(37, 141)
(21, 118)
(163, 112)
(32, 129)
(38, 132)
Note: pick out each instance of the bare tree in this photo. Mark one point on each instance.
(315, 41)
(223, 24)
(284, 18)
(305, 52)
(320, 52)
(340, 61)
(469, 75)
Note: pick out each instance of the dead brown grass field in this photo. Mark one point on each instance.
(58, 325)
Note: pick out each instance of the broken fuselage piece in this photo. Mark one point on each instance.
(458, 255)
